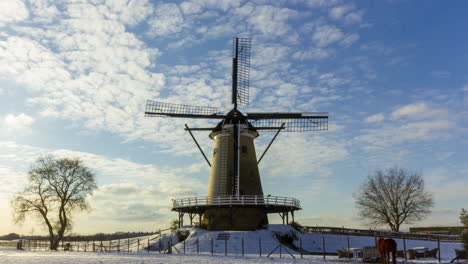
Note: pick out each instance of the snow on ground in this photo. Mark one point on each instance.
(203, 240)
(311, 242)
(47, 257)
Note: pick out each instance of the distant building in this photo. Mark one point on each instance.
(442, 230)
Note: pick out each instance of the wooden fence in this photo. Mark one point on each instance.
(379, 233)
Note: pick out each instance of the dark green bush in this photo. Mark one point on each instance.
(287, 238)
(296, 226)
(174, 225)
(182, 235)
(464, 236)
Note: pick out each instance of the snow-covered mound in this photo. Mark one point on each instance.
(266, 240)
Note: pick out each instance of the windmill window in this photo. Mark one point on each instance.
(214, 151)
(244, 149)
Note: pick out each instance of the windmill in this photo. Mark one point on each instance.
(235, 199)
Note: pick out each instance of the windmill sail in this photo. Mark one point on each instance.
(161, 109)
(241, 71)
(294, 122)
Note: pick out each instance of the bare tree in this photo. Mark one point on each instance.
(57, 188)
(393, 197)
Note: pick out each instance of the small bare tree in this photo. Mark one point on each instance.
(393, 197)
(57, 187)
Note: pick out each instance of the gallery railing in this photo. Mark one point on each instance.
(266, 200)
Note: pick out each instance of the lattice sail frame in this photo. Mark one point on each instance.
(162, 109)
(241, 51)
(293, 122)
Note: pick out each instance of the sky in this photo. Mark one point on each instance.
(75, 76)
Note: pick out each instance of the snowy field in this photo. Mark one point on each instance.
(203, 242)
(23, 257)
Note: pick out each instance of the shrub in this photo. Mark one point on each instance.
(287, 238)
(174, 225)
(296, 226)
(464, 236)
(182, 235)
(203, 225)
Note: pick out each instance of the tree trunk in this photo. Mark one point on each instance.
(54, 244)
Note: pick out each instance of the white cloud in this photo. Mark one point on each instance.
(321, 3)
(129, 12)
(465, 88)
(12, 11)
(349, 40)
(270, 55)
(378, 48)
(326, 35)
(444, 187)
(374, 118)
(44, 11)
(418, 110)
(354, 17)
(347, 13)
(16, 122)
(10, 182)
(338, 12)
(191, 7)
(95, 75)
(269, 20)
(416, 131)
(312, 53)
(409, 110)
(132, 202)
(167, 20)
(299, 155)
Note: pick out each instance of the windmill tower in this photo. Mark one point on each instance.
(235, 199)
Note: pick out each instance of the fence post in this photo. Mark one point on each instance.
(225, 247)
(184, 246)
(438, 246)
(300, 245)
(323, 246)
(118, 246)
(148, 246)
(159, 244)
(375, 239)
(404, 248)
(280, 246)
(128, 245)
(101, 245)
(110, 245)
(242, 246)
(212, 252)
(349, 253)
(138, 246)
(198, 247)
(260, 246)
(78, 247)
